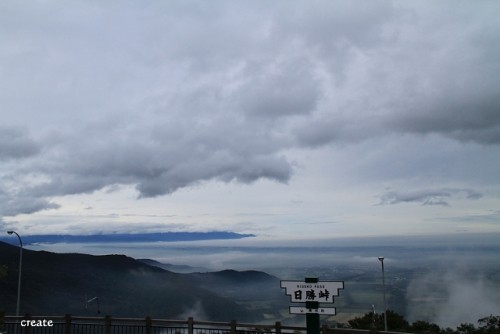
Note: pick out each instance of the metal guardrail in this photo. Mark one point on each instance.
(107, 325)
(69, 324)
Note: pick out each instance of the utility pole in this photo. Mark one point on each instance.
(20, 267)
(381, 259)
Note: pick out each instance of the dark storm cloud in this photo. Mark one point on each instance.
(15, 204)
(159, 161)
(428, 196)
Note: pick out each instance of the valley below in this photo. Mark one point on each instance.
(64, 283)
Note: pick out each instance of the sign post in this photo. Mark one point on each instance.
(312, 293)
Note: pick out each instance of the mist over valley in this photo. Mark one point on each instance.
(443, 280)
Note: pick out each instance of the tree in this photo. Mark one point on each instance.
(396, 322)
(466, 328)
(424, 327)
(2, 321)
(368, 321)
(3, 271)
(490, 325)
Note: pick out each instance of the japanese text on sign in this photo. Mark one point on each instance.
(322, 292)
(305, 310)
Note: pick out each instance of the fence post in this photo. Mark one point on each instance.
(148, 325)
(27, 329)
(277, 327)
(233, 327)
(190, 325)
(107, 324)
(67, 324)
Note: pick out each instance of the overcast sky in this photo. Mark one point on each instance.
(285, 119)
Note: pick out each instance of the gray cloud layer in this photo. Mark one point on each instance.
(428, 196)
(165, 96)
(15, 144)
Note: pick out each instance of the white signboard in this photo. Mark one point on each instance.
(305, 310)
(322, 292)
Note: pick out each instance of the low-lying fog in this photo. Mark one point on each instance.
(276, 255)
(450, 280)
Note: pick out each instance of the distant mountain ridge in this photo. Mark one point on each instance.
(130, 237)
(234, 276)
(176, 268)
(55, 283)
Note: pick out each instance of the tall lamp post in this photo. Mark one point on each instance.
(381, 259)
(20, 267)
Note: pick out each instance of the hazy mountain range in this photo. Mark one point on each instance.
(62, 283)
(439, 280)
(131, 237)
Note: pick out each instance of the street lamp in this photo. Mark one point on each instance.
(381, 259)
(91, 300)
(20, 266)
